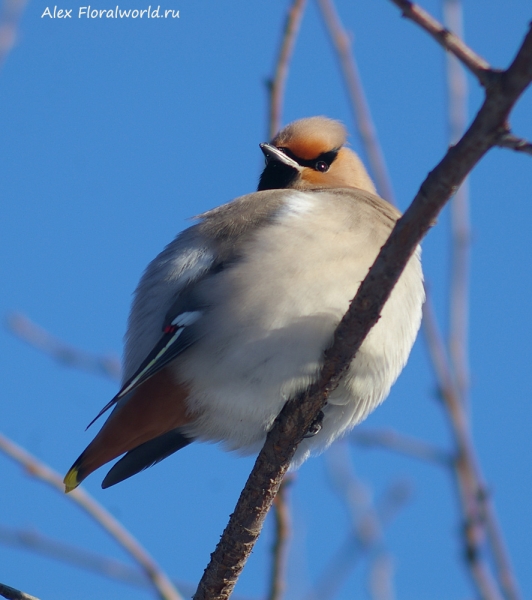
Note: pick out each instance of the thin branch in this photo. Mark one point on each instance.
(466, 469)
(474, 500)
(461, 235)
(358, 102)
(460, 226)
(476, 505)
(393, 500)
(13, 594)
(344, 560)
(459, 290)
(507, 140)
(245, 524)
(341, 41)
(105, 566)
(475, 63)
(10, 15)
(436, 347)
(282, 534)
(90, 561)
(65, 354)
(380, 578)
(367, 521)
(276, 86)
(359, 105)
(160, 582)
(500, 552)
(402, 444)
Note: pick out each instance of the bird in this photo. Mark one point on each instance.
(232, 318)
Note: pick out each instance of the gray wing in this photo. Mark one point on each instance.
(166, 306)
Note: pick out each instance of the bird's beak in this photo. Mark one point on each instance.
(273, 154)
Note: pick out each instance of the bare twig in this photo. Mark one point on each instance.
(459, 290)
(500, 553)
(367, 521)
(393, 500)
(10, 15)
(458, 351)
(507, 140)
(245, 524)
(477, 507)
(436, 347)
(359, 104)
(345, 559)
(276, 86)
(381, 577)
(63, 353)
(160, 582)
(363, 526)
(471, 488)
(475, 63)
(396, 442)
(105, 566)
(282, 533)
(102, 565)
(13, 594)
(460, 227)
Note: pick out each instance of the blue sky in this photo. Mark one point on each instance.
(113, 133)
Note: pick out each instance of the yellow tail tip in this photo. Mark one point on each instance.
(71, 480)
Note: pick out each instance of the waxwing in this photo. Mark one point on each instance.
(232, 318)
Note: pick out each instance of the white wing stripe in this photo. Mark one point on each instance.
(135, 380)
(186, 318)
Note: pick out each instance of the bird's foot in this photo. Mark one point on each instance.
(316, 426)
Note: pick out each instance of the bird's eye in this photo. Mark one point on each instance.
(321, 166)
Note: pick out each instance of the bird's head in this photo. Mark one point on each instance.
(309, 154)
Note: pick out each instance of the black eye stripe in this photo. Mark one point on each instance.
(326, 157)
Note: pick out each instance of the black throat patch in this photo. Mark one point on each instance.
(277, 176)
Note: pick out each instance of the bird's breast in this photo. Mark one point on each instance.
(273, 312)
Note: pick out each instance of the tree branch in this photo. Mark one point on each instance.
(282, 533)
(10, 15)
(276, 86)
(104, 566)
(507, 140)
(402, 444)
(474, 500)
(13, 594)
(65, 354)
(475, 63)
(367, 521)
(31, 540)
(460, 227)
(295, 419)
(160, 582)
(461, 233)
(381, 577)
(358, 102)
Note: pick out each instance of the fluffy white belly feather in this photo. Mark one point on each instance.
(263, 342)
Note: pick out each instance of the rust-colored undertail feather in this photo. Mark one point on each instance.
(155, 408)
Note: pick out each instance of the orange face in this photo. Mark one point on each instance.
(346, 170)
(313, 155)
